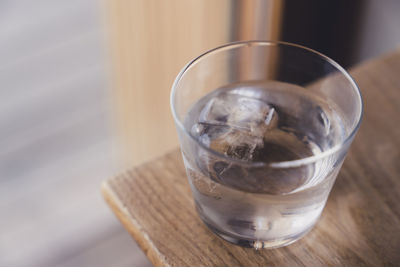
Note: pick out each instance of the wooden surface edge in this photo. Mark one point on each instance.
(141, 238)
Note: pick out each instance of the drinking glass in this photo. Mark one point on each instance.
(264, 128)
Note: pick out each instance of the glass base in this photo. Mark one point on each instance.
(256, 244)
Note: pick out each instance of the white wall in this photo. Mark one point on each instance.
(55, 138)
(381, 28)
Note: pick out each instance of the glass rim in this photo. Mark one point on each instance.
(277, 164)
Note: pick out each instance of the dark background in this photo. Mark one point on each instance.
(330, 27)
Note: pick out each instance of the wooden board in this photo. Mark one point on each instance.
(359, 226)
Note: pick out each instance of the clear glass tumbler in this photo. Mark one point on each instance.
(264, 128)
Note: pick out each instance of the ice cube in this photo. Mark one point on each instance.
(205, 132)
(235, 125)
(239, 112)
(323, 120)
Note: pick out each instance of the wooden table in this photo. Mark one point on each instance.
(359, 226)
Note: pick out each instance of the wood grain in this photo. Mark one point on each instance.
(151, 41)
(360, 225)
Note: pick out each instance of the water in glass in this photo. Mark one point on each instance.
(248, 180)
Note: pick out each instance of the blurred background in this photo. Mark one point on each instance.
(85, 94)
